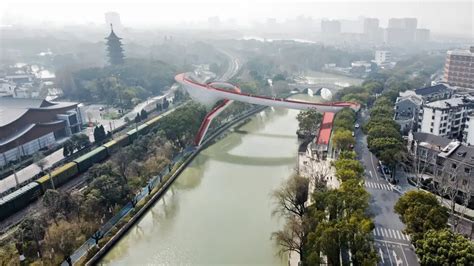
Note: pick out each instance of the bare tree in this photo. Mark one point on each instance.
(40, 161)
(450, 181)
(291, 237)
(291, 197)
(418, 163)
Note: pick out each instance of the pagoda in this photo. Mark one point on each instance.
(114, 48)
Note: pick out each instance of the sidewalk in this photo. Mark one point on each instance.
(405, 186)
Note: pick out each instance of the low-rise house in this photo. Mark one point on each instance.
(406, 111)
(449, 163)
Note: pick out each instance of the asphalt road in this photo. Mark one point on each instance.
(392, 244)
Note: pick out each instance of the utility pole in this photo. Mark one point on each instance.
(16, 177)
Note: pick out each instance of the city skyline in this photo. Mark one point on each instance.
(456, 20)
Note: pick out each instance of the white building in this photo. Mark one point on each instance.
(468, 134)
(446, 118)
(383, 57)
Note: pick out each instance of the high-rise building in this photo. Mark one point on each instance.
(459, 68)
(114, 48)
(422, 35)
(401, 30)
(372, 31)
(114, 19)
(330, 28)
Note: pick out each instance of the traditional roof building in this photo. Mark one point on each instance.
(28, 125)
(114, 48)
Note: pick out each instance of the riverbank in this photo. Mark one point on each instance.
(156, 195)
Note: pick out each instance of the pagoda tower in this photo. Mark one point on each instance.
(114, 48)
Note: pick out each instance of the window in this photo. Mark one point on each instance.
(432, 117)
(432, 124)
(454, 166)
(464, 182)
(467, 170)
(431, 130)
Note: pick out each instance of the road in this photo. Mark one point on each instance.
(392, 244)
(31, 170)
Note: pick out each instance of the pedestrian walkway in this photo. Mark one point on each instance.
(380, 232)
(376, 185)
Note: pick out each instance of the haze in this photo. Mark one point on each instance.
(447, 17)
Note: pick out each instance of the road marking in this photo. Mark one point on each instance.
(399, 262)
(373, 166)
(370, 173)
(399, 235)
(392, 232)
(391, 242)
(404, 256)
(381, 255)
(388, 253)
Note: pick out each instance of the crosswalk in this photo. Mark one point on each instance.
(375, 185)
(390, 233)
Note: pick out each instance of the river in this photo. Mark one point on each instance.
(219, 210)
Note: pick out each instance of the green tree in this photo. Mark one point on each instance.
(343, 139)
(309, 121)
(63, 238)
(421, 211)
(443, 247)
(29, 235)
(143, 114)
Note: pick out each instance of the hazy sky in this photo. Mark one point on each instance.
(440, 16)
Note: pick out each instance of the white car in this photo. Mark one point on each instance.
(356, 125)
(353, 134)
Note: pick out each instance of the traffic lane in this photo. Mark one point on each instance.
(381, 206)
(392, 253)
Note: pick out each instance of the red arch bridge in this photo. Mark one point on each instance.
(212, 92)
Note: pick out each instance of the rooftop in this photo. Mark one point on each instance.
(461, 52)
(448, 103)
(431, 141)
(13, 108)
(431, 89)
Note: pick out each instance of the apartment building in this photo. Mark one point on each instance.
(459, 68)
(448, 163)
(446, 117)
(408, 104)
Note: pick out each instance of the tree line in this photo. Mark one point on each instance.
(337, 222)
(426, 222)
(69, 218)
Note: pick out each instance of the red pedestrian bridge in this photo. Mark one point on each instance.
(212, 92)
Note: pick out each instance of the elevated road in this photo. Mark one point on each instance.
(213, 92)
(210, 93)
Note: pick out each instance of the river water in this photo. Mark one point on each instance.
(219, 209)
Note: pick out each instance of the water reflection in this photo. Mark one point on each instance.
(219, 210)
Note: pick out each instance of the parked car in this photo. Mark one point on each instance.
(356, 125)
(353, 134)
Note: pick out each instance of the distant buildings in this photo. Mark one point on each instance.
(330, 28)
(400, 31)
(28, 125)
(372, 30)
(422, 35)
(459, 68)
(383, 58)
